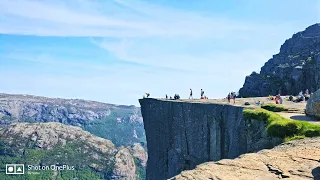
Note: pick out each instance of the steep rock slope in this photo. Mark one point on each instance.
(121, 124)
(293, 160)
(47, 144)
(296, 67)
(181, 135)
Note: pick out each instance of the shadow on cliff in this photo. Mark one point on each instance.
(316, 173)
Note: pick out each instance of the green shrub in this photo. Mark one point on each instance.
(278, 126)
(283, 128)
(312, 133)
(274, 107)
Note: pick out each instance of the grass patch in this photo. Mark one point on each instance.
(274, 107)
(287, 139)
(278, 126)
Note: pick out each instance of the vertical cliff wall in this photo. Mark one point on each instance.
(181, 135)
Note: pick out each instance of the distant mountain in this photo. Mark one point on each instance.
(84, 155)
(296, 67)
(122, 125)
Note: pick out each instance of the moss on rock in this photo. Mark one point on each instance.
(278, 126)
(274, 107)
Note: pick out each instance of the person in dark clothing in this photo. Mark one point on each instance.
(190, 97)
(234, 97)
(176, 96)
(229, 96)
(166, 96)
(202, 93)
(290, 98)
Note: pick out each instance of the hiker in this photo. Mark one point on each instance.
(234, 97)
(176, 96)
(166, 96)
(229, 96)
(290, 98)
(280, 100)
(202, 93)
(148, 94)
(306, 97)
(307, 92)
(258, 103)
(301, 93)
(190, 97)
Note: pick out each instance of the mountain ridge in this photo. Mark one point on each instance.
(295, 68)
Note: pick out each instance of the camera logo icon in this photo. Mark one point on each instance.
(14, 168)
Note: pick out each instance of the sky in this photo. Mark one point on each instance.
(114, 51)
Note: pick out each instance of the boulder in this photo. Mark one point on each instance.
(313, 105)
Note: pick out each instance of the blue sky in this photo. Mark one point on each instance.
(116, 50)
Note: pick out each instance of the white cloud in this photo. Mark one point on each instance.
(54, 18)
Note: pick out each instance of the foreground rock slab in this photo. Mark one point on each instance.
(297, 160)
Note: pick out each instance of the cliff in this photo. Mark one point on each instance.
(46, 144)
(180, 135)
(292, 160)
(296, 67)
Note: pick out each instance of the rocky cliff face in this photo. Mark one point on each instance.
(54, 143)
(296, 67)
(293, 160)
(181, 135)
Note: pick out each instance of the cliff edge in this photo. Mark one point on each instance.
(181, 135)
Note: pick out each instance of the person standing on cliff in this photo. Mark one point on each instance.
(234, 97)
(190, 97)
(202, 93)
(229, 96)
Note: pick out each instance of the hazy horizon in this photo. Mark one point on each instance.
(114, 51)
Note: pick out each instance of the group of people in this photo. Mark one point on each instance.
(177, 96)
(278, 99)
(232, 95)
(202, 96)
(301, 96)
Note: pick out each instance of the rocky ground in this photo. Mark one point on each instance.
(296, 111)
(297, 160)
